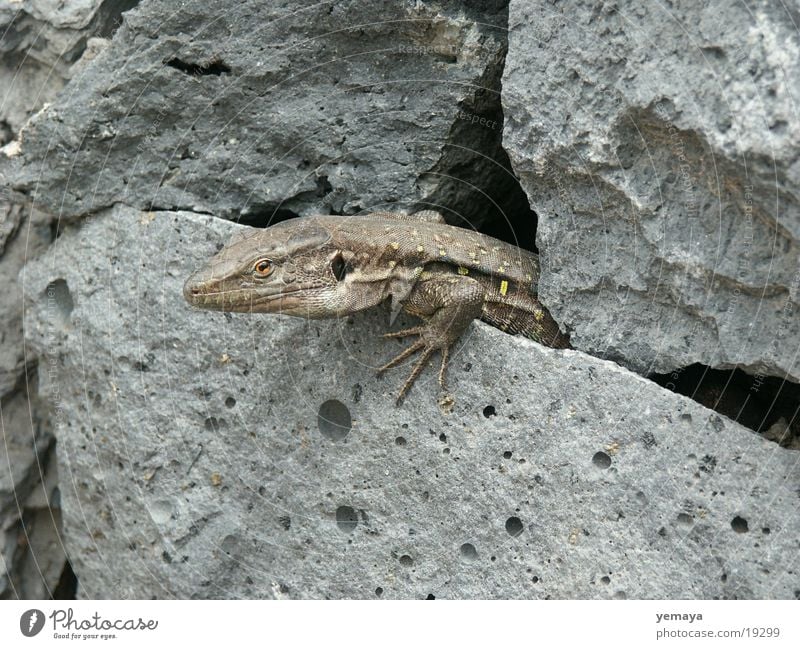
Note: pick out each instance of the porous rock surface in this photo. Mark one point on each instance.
(40, 41)
(660, 147)
(253, 109)
(211, 455)
(221, 108)
(56, 33)
(31, 554)
(42, 45)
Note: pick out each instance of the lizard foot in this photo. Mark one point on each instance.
(428, 343)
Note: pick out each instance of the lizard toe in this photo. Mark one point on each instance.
(404, 333)
(443, 367)
(429, 342)
(408, 351)
(415, 372)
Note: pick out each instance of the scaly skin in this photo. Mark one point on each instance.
(330, 266)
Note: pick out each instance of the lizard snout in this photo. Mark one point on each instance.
(193, 288)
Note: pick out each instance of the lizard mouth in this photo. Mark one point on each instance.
(245, 300)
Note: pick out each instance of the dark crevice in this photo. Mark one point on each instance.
(105, 24)
(55, 231)
(152, 207)
(324, 186)
(6, 132)
(766, 404)
(214, 67)
(169, 208)
(499, 206)
(67, 586)
(487, 11)
(518, 223)
(262, 216)
(113, 18)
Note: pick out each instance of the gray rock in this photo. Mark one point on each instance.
(43, 44)
(660, 151)
(21, 238)
(206, 455)
(253, 109)
(31, 552)
(55, 33)
(10, 217)
(25, 88)
(40, 41)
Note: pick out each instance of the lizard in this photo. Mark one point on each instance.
(332, 266)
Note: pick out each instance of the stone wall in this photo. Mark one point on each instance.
(168, 452)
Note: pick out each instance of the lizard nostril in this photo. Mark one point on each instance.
(191, 289)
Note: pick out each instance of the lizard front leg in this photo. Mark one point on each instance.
(447, 303)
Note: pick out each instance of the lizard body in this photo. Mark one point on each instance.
(330, 266)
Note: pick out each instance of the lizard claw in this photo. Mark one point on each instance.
(447, 305)
(428, 348)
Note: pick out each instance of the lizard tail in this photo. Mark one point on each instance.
(538, 326)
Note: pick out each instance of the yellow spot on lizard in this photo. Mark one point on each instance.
(394, 245)
(504, 287)
(442, 252)
(463, 271)
(420, 249)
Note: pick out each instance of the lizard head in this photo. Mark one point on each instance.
(291, 267)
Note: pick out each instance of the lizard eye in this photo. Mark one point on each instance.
(262, 267)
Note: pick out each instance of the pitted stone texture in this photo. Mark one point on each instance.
(55, 33)
(40, 41)
(22, 236)
(24, 88)
(660, 151)
(31, 553)
(31, 556)
(42, 44)
(197, 459)
(251, 108)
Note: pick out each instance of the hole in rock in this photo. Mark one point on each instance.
(468, 551)
(739, 524)
(334, 420)
(514, 526)
(601, 460)
(346, 518)
(214, 67)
